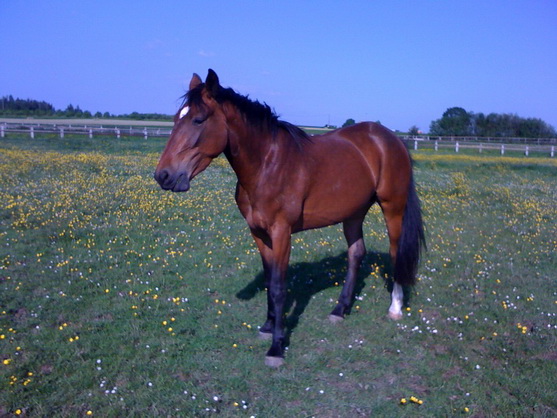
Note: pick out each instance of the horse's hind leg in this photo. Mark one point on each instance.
(393, 213)
(356, 252)
(406, 235)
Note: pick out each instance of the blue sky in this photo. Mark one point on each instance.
(315, 62)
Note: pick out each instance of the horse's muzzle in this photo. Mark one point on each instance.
(180, 182)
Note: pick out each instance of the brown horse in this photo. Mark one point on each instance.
(289, 182)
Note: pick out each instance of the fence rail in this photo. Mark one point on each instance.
(502, 148)
(87, 130)
(490, 140)
(502, 145)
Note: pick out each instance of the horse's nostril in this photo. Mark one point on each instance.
(161, 176)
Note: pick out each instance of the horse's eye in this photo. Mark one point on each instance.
(198, 121)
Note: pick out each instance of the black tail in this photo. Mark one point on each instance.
(411, 241)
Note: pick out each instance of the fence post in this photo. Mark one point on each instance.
(526, 151)
(456, 147)
(552, 151)
(117, 133)
(2, 131)
(415, 144)
(90, 133)
(436, 145)
(32, 132)
(145, 132)
(61, 133)
(481, 147)
(502, 149)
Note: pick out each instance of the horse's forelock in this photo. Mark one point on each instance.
(193, 97)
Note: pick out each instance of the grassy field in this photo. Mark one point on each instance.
(119, 299)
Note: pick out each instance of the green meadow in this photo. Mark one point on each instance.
(120, 299)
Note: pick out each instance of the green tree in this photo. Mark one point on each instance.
(414, 130)
(27, 107)
(70, 111)
(349, 122)
(455, 122)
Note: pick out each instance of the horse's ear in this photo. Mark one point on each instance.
(195, 81)
(212, 83)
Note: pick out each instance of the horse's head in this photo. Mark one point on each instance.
(199, 135)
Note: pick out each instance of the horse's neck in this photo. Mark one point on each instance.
(246, 153)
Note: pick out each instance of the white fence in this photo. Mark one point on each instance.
(87, 130)
(489, 140)
(502, 145)
(524, 147)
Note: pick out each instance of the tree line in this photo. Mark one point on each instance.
(10, 106)
(458, 122)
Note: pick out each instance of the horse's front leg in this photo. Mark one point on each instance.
(275, 254)
(266, 330)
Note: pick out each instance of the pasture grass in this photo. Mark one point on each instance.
(118, 299)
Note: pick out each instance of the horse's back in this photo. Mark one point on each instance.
(385, 154)
(373, 139)
(344, 170)
(380, 147)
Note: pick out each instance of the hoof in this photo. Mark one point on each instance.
(335, 319)
(265, 336)
(395, 316)
(274, 362)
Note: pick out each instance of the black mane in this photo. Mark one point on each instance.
(255, 113)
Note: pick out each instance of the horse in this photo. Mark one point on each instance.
(289, 181)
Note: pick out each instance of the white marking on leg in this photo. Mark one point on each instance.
(336, 319)
(395, 310)
(184, 111)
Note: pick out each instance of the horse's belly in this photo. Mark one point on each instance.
(336, 200)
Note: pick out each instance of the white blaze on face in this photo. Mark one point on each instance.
(184, 111)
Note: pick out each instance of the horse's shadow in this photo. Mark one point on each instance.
(306, 279)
